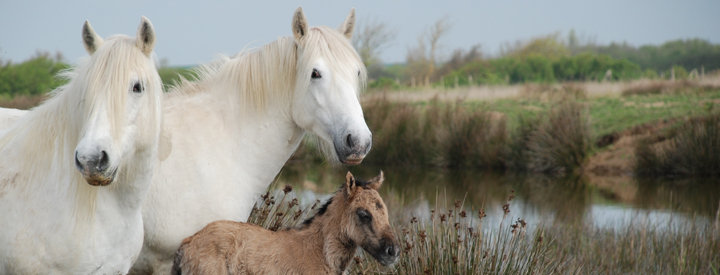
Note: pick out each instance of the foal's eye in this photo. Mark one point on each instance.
(137, 88)
(315, 74)
(364, 216)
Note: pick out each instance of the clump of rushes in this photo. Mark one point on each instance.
(561, 142)
(693, 150)
(454, 241)
(434, 134)
(275, 214)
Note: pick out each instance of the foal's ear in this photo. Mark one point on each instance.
(346, 28)
(299, 24)
(145, 39)
(350, 184)
(376, 182)
(91, 40)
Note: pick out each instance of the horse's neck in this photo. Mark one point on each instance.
(325, 234)
(250, 109)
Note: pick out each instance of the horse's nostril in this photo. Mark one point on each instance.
(77, 162)
(102, 164)
(349, 141)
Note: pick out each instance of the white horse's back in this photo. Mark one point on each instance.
(100, 129)
(8, 116)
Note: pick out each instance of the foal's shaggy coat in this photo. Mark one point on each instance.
(324, 244)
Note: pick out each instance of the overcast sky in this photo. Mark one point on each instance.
(195, 32)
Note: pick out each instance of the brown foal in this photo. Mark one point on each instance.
(324, 244)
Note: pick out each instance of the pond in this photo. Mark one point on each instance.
(537, 199)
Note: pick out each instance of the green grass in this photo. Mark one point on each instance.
(610, 114)
(615, 114)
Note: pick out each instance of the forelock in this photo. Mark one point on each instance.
(337, 51)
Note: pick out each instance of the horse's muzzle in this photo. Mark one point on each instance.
(95, 168)
(353, 149)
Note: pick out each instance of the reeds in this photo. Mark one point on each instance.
(692, 150)
(458, 240)
(458, 135)
(560, 143)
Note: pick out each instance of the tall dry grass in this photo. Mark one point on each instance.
(461, 241)
(458, 135)
(692, 150)
(560, 142)
(435, 134)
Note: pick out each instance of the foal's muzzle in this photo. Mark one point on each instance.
(387, 251)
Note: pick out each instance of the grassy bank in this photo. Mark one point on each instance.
(461, 241)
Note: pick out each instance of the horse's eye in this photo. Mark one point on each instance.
(137, 88)
(364, 216)
(315, 74)
(358, 73)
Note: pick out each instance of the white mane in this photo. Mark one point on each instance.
(249, 74)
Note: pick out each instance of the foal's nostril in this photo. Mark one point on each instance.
(349, 141)
(390, 250)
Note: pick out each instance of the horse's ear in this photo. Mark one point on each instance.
(145, 39)
(346, 28)
(349, 184)
(91, 40)
(376, 182)
(299, 24)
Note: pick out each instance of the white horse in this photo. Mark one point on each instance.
(8, 116)
(75, 170)
(227, 135)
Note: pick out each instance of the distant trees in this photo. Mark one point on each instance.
(544, 59)
(36, 76)
(422, 59)
(690, 54)
(370, 39)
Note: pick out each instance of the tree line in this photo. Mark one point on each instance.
(545, 59)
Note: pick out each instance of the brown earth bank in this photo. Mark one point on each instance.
(611, 168)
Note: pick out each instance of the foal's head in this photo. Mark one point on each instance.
(364, 218)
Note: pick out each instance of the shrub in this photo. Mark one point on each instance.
(694, 150)
(437, 134)
(560, 143)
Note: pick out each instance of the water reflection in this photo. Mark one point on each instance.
(414, 192)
